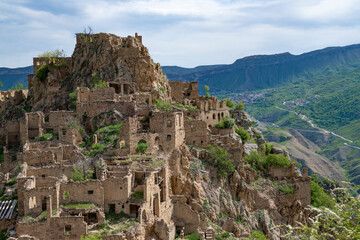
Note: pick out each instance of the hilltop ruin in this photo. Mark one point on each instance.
(104, 145)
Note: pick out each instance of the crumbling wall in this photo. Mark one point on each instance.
(171, 130)
(54, 228)
(117, 192)
(47, 171)
(60, 119)
(90, 191)
(35, 122)
(196, 133)
(182, 90)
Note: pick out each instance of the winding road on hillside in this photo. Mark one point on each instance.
(306, 119)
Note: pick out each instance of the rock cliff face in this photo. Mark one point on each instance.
(249, 199)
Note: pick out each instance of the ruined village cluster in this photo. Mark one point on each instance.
(168, 189)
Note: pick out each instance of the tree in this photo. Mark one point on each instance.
(54, 57)
(239, 106)
(207, 91)
(229, 103)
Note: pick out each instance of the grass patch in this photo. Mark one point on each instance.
(29, 219)
(161, 105)
(189, 108)
(11, 182)
(157, 163)
(46, 137)
(137, 195)
(287, 188)
(78, 206)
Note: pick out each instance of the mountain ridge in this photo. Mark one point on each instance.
(266, 71)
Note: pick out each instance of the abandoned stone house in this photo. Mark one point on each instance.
(141, 186)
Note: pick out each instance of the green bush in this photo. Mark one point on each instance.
(268, 147)
(100, 84)
(242, 133)
(224, 165)
(276, 160)
(319, 198)
(226, 123)
(223, 236)
(257, 235)
(46, 137)
(193, 236)
(97, 148)
(142, 146)
(239, 106)
(42, 72)
(137, 195)
(287, 188)
(73, 99)
(11, 182)
(161, 105)
(254, 157)
(78, 176)
(229, 103)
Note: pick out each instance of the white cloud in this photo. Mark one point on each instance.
(180, 32)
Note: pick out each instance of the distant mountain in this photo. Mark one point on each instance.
(12, 76)
(267, 71)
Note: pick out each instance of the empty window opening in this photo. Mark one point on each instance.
(91, 192)
(66, 195)
(134, 210)
(43, 204)
(168, 138)
(67, 230)
(168, 123)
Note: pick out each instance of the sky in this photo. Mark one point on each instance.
(180, 32)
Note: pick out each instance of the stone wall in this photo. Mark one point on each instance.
(11, 98)
(90, 191)
(54, 170)
(196, 133)
(117, 191)
(54, 228)
(182, 90)
(60, 119)
(171, 129)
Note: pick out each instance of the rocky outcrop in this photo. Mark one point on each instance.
(105, 57)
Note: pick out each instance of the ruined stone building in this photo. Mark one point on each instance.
(130, 159)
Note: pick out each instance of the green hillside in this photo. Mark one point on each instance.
(267, 71)
(330, 100)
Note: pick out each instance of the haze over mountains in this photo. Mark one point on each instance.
(266, 71)
(10, 77)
